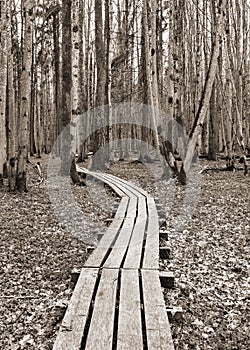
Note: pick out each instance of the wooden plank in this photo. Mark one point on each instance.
(132, 207)
(114, 183)
(133, 258)
(111, 232)
(142, 207)
(96, 258)
(100, 177)
(116, 188)
(125, 188)
(100, 334)
(71, 330)
(120, 247)
(120, 186)
(152, 211)
(122, 209)
(129, 322)
(157, 325)
(130, 184)
(151, 253)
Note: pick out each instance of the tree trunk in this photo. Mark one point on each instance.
(206, 94)
(3, 84)
(100, 55)
(57, 75)
(66, 101)
(214, 124)
(147, 93)
(25, 88)
(108, 110)
(99, 158)
(12, 122)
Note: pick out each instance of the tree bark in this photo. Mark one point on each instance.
(25, 88)
(66, 101)
(99, 158)
(206, 93)
(3, 84)
(12, 121)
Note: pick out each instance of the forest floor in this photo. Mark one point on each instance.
(209, 258)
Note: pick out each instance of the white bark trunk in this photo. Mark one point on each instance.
(23, 137)
(3, 82)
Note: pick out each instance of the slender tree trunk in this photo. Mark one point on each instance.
(100, 86)
(32, 103)
(213, 127)
(57, 75)
(3, 84)
(108, 114)
(25, 88)
(66, 101)
(12, 122)
(100, 55)
(147, 87)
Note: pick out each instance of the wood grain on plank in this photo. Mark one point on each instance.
(120, 247)
(129, 322)
(100, 334)
(106, 242)
(101, 178)
(142, 207)
(71, 330)
(131, 185)
(122, 208)
(132, 207)
(157, 324)
(151, 253)
(115, 184)
(134, 253)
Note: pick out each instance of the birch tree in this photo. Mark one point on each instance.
(12, 120)
(100, 84)
(66, 98)
(3, 83)
(25, 94)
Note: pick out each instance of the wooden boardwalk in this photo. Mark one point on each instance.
(118, 302)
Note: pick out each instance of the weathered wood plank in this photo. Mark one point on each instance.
(142, 207)
(129, 322)
(96, 258)
(157, 324)
(129, 184)
(134, 254)
(120, 247)
(71, 330)
(121, 211)
(125, 190)
(100, 177)
(100, 334)
(132, 207)
(151, 253)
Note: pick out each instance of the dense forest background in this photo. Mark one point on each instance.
(59, 59)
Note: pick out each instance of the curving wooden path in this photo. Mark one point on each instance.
(118, 302)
